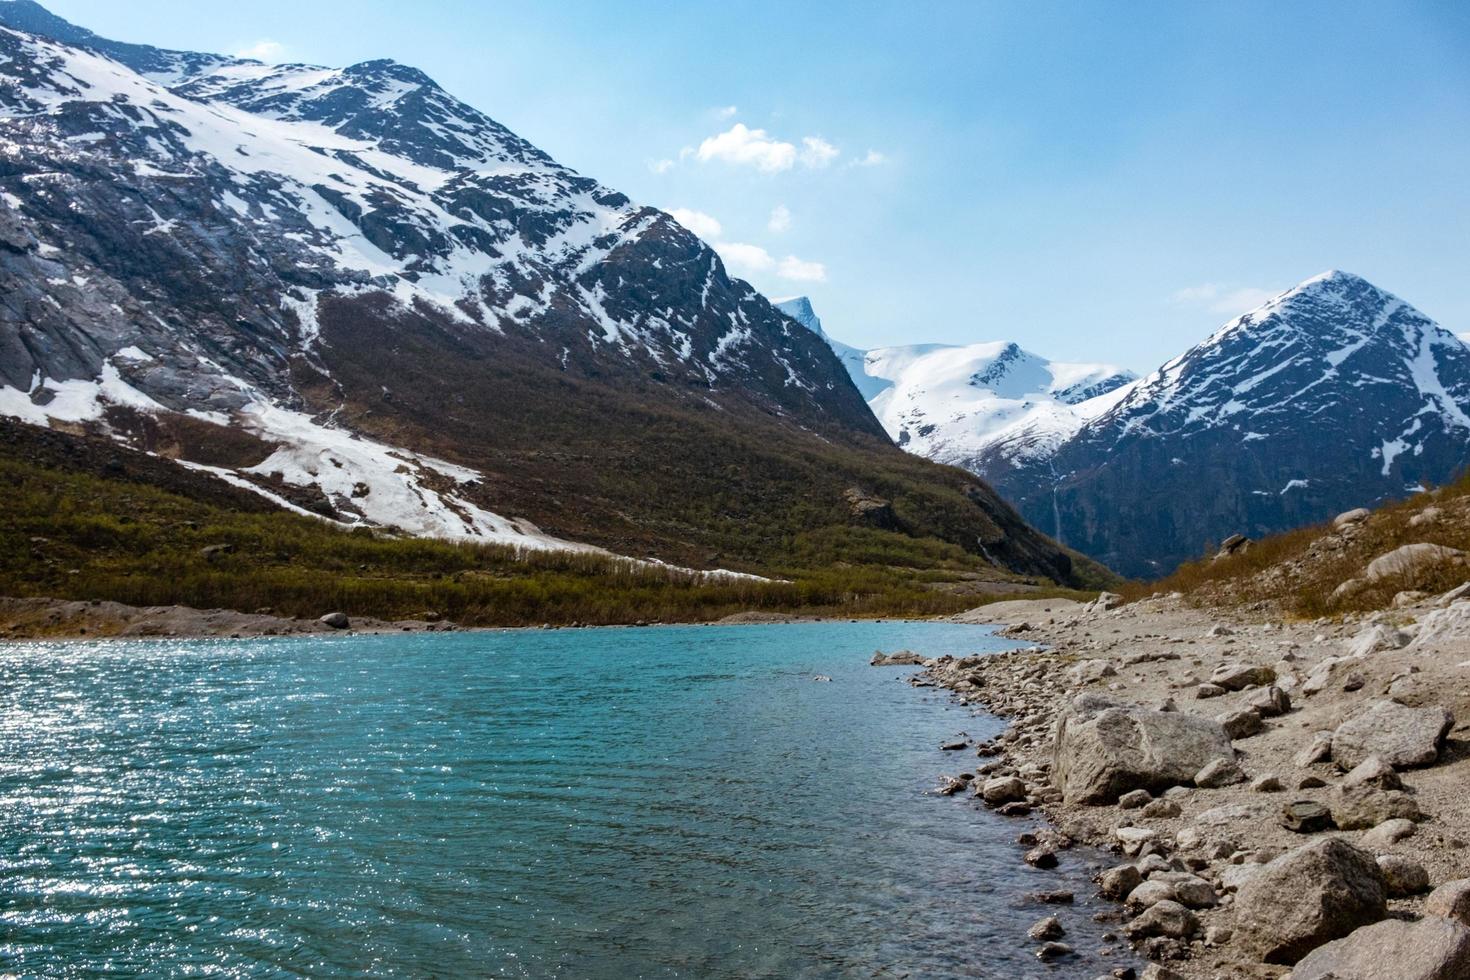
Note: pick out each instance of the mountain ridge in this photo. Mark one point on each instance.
(1225, 437)
(347, 291)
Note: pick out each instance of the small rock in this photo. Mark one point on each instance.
(1241, 724)
(1150, 893)
(1238, 677)
(1003, 789)
(1451, 901)
(1353, 516)
(1048, 928)
(335, 620)
(1205, 691)
(1133, 799)
(1053, 951)
(1403, 877)
(1311, 782)
(1117, 883)
(1388, 833)
(1373, 771)
(1161, 810)
(1220, 772)
(1270, 701)
(1041, 857)
(1266, 784)
(1320, 750)
(1164, 919)
(1306, 817)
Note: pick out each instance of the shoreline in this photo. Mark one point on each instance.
(29, 620)
(1160, 653)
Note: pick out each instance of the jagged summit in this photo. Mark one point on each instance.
(1332, 395)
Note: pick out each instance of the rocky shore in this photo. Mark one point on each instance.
(1284, 799)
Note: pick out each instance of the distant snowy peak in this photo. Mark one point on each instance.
(956, 404)
(1332, 340)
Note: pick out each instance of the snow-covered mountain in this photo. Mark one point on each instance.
(969, 405)
(1332, 395)
(351, 292)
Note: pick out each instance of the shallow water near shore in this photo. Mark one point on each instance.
(661, 802)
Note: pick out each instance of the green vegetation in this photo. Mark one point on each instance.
(83, 532)
(1302, 569)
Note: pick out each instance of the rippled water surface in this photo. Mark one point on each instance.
(663, 802)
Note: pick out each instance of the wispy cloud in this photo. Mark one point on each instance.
(742, 146)
(780, 219)
(726, 112)
(703, 225)
(752, 260)
(661, 166)
(800, 270)
(817, 152)
(870, 159)
(745, 259)
(263, 50)
(1217, 298)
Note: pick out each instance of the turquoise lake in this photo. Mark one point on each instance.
(660, 802)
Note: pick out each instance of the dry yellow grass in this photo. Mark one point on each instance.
(1300, 571)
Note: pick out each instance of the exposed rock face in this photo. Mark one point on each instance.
(1104, 749)
(1430, 949)
(1306, 897)
(1399, 735)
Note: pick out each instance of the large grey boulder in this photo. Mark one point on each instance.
(1312, 895)
(1433, 948)
(1103, 749)
(1399, 735)
(1410, 560)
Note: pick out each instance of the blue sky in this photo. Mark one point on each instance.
(1098, 181)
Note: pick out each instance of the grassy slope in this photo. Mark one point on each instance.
(81, 519)
(1301, 569)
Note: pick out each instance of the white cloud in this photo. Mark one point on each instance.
(780, 219)
(871, 159)
(742, 145)
(1229, 300)
(726, 112)
(661, 166)
(745, 259)
(750, 260)
(263, 50)
(817, 152)
(799, 270)
(703, 225)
